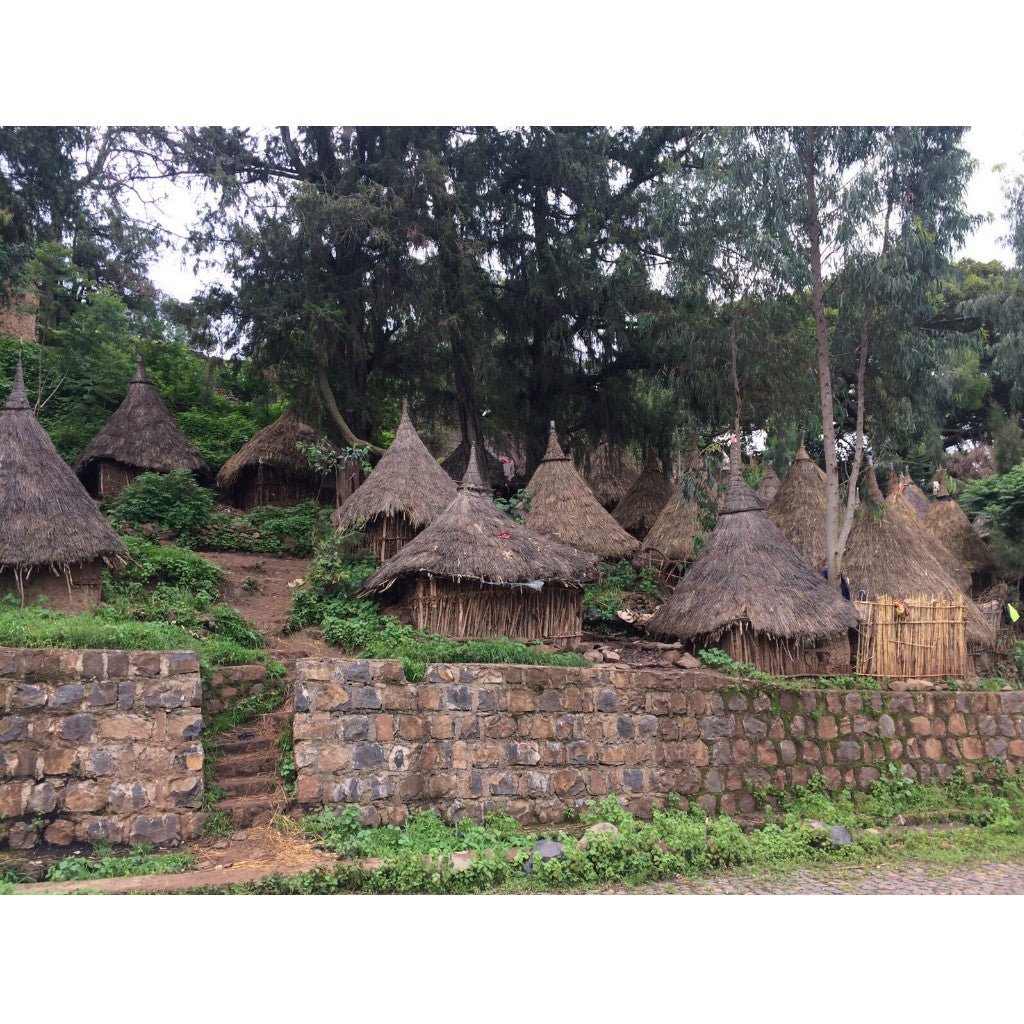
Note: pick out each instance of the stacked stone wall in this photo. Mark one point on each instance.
(532, 740)
(99, 746)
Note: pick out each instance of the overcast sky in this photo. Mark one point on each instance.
(990, 144)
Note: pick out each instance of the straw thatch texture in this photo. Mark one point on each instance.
(270, 469)
(749, 585)
(406, 491)
(47, 519)
(494, 563)
(769, 485)
(457, 461)
(951, 527)
(799, 509)
(565, 509)
(919, 501)
(610, 471)
(641, 505)
(670, 541)
(140, 437)
(887, 554)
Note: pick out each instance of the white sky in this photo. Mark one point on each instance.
(991, 144)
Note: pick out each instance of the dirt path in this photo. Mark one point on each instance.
(257, 585)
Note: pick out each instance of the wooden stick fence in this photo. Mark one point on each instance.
(921, 637)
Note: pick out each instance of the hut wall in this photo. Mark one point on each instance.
(782, 657)
(470, 610)
(347, 480)
(106, 478)
(385, 536)
(84, 592)
(259, 486)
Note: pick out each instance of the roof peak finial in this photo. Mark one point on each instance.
(140, 367)
(18, 398)
(471, 479)
(554, 450)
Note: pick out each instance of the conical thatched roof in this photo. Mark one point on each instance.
(474, 540)
(142, 433)
(950, 525)
(748, 573)
(407, 481)
(799, 509)
(610, 472)
(455, 464)
(275, 446)
(642, 503)
(887, 554)
(769, 485)
(671, 537)
(565, 509)
(919, 501)
(47, 518)
(899, 503)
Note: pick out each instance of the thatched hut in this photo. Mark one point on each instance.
(54, 541)
(799, 509)
(565, 509)
(610, 471)
(406, 491)
(750, 593)
(951, 527)
(887, 554)
(473, 573)
(270, 470)
(919, 501)
(641, 505)
(769, 485)
(140, 437)
(670, 541)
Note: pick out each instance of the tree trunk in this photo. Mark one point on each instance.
(331, 405)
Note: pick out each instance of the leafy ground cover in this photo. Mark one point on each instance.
(142, 860)
(620, 586)
(679, 840)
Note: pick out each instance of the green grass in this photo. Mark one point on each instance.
(103, 864)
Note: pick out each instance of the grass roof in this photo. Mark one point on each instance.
(671, 538)
(748, 573)
(142, 433)
(275, 446)
(407, 481)
(474, 540)
(610, 472)
(769, 485)
(641, 505)
(565, 509)
(47, 518)
(949, 524)
(799, 508)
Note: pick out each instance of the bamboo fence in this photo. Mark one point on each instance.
(782, 657)
(921, 637)
(464, 610)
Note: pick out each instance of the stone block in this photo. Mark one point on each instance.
(366, 698)
(59, 833)
(102, 694)
(99, 762)
(27, 697)
(972, 748)
(162, 828)
(13, 728)
(78, 729)
(84, 796)
(827, 727)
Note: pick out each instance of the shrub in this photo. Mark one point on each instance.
(275, 531)
(173, 501)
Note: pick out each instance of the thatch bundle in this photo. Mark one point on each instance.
(750, 592)
(565, 509)
(888, 554)
(53, 539)
(610, 472)
(270, 469)
(951, 527)
(799, 509)
(671, 538)
(475, 573)
(769, 485)
(406, 491)
(641, 505)
(140, 437)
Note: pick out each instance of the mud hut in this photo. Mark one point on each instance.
(610, 472)
(888, 554)
(769, 485)
(406, 491)
(565, 509)
(54, 541)
(799, 508)
(473, 573)
(750, 593)
(671, 539)
(951, 527)
(641, 505)
(270, 469)
(140, 437)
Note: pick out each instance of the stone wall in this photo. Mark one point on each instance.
(532, 740)
(99, 745)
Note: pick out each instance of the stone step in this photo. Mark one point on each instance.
(252, 785)
(253, 809)
(245, 742)
(248, 762)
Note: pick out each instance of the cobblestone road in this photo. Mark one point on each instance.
(906, 880)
